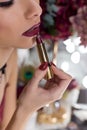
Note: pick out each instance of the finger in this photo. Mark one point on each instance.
(57, 91)
(60, 73)
(64, 84)
(40, 73)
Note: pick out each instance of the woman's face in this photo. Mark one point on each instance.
(15, 19)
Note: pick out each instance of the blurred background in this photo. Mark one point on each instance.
(64, 32)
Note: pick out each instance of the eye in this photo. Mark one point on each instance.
(6, 4)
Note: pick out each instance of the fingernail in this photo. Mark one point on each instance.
(43, 66)
(53, 64)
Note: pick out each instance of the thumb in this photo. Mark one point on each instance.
(40, 73)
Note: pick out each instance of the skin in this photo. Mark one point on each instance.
(23, 14)
(28, 12)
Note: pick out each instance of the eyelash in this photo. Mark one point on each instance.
(6, 4)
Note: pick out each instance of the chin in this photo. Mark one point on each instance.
(27, 43)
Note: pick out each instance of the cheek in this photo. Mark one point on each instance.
(38, 1)
(9, 31)
(10, 24)
(4, 32)
(6, 29)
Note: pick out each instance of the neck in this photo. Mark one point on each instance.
(4, 55)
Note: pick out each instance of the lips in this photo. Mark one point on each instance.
(32, 31)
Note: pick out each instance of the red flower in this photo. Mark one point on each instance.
(79, 23)
(62, 28)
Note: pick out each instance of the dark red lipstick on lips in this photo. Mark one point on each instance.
(32, 31)
(43, 55)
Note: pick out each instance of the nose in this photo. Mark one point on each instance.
(33, 11)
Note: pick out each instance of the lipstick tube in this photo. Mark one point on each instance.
(43, 56)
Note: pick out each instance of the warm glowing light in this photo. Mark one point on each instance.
(57, 104)
(75, 57)
(67, 42)
(65, 66)
(73, 40)
(70, 48)
(77, 40)
(64, 116)
(47, 105)
(82, 49)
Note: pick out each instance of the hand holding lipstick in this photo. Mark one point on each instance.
(34, 97)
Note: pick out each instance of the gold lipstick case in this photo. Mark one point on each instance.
(43, 55)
